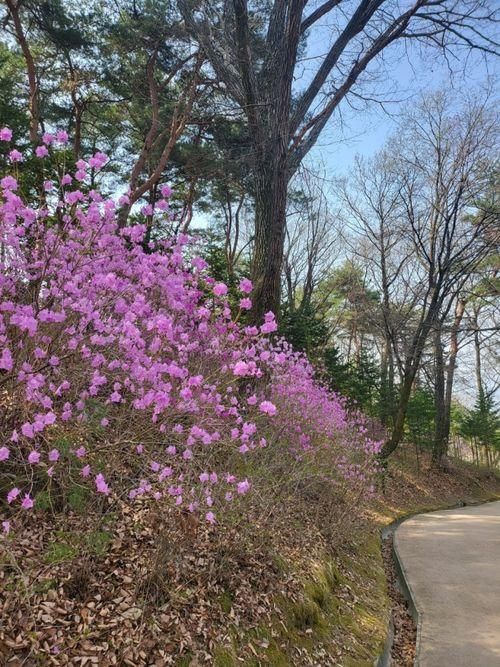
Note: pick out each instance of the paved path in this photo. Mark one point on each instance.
(451, 561)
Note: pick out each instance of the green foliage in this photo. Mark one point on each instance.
(420, 417)
(303, 329)
(358, 379)
(482, 423)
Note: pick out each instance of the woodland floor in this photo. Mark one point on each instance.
(149, 587)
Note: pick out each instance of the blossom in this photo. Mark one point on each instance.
(243, 487)
(62, 136)
(6, 361)
(41, 151)
(6, 527)
(85, 471)
(5, 134)
(48, 186)
(101, 485)
(27, 502)
(34, 457)
(268, 408)
(166, 191)
(8, 183)
(245, 304)
(12, 495)
(240, 368)
(220, 289)
(15, 156)
(27, 430)
(48, 138)
(80, 452)
(66, 179)
(269, 324)
(54, 455)
(210, 517)
(246, 286)
(4, 453)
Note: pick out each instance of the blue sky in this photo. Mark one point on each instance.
(364, 131)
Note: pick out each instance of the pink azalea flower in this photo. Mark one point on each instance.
(27, 502)
(8, 183)
(34, 457)
(243, 487)
(246, 286)
(245, 304)
(54, 455)
(220, 289)
(268, 408)
(210, 517)
(101, 485)
(4, 453)
(27, 430)
(6, 361)
(41, 151)
(15, 156)
(12, 495)
(5, 134)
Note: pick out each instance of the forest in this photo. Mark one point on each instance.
(232, 347)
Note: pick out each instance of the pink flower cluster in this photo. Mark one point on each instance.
(112, 344)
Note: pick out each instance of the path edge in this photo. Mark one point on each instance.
(385, 660)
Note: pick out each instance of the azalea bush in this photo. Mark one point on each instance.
(125, 373)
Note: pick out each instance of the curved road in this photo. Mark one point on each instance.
(451, 562)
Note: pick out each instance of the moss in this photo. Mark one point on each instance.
(98, 541)
(78, 498)
(59, 552)
(44, 586)
(226, 601)
(223, 657)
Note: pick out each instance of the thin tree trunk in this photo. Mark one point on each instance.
(410, 371)
(452, 364)
(33, 104)
(440, 439)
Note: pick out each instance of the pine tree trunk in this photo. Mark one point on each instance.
(271, 181)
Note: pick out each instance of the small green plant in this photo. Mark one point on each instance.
(59, 552)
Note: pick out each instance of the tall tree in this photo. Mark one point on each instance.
(445, 158)
(254, 46)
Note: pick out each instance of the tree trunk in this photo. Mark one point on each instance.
(412, 365)
(271, 182)
(477, 354)
(440, 437)
(452, 364)
(33, 103)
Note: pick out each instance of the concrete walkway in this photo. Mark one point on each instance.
(451, 562)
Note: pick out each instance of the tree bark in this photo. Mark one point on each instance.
(33, 103)
(271, 183)
(440, 436)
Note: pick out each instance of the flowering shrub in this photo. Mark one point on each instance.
(123, 370)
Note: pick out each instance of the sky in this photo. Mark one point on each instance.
(365, 130)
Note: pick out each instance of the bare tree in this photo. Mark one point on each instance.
(312, 243)
(253, 47)
(444, 158)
